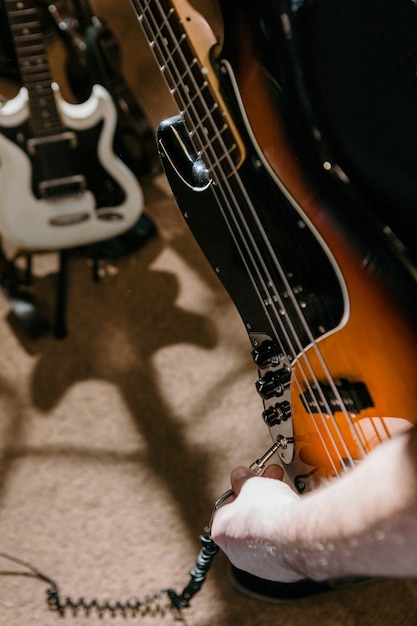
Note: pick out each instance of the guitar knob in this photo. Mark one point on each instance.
(273, 384)
(279, 412)
(266, 354)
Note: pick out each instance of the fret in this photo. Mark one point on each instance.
(201, 105)
(29, 46)
(189, 81)
(23, 35)
(30, 69)
(15, 16)
(34, 67)
(38, 82)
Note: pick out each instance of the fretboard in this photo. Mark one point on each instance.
(34, 68)
(191, 80)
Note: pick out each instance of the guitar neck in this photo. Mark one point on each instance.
(183, 44)
(34, 68)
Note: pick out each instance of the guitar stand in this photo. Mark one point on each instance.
(60, 325)
(95, 268)
(16, 288)
(16, 284)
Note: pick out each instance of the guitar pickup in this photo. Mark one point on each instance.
(60, 187)
(35, 142)
(350, 396)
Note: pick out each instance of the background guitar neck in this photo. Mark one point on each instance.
(34, 67)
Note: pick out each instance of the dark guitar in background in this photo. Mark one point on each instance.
(93, 55)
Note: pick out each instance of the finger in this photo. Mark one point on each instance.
(274, 471)
(239, 476)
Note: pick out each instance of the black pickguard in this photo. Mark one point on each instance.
(60, 160)
(253, 283)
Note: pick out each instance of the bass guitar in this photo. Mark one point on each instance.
(329, 309)
(61, 184)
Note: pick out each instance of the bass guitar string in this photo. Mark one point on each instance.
(175, 81)
(280, 320)
(300, 348)
(325, 422)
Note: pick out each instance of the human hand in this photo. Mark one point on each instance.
(254, 528)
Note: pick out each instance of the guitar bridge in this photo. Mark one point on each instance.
(349, 396)
(60, 187)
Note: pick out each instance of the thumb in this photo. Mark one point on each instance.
(239, 476)
(274, 471)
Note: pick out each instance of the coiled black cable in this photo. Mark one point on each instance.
(152, 606)
(198, 573)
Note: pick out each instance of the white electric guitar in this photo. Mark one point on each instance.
(61, 185)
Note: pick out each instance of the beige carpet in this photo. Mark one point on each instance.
(116, 441)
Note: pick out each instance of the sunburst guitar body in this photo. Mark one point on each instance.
(328, 303)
